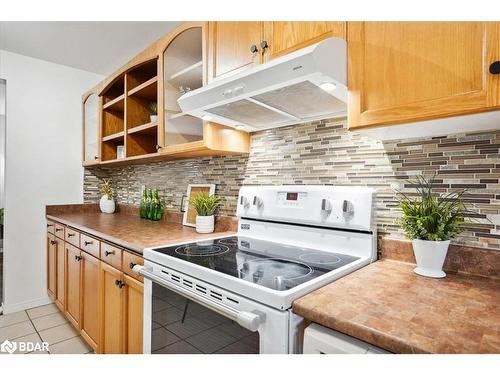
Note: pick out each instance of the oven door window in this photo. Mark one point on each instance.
(182, 326)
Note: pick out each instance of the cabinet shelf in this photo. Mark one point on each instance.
(117, 104)
(150, 127)
(147, 90)
(116, 137)
(190, 76)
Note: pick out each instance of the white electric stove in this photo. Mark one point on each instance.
(234, 294)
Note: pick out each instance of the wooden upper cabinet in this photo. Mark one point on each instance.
(229, 47)
(286, 37)
(91, 129)
(409, 71)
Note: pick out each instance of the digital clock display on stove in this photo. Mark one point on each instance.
(292, 196)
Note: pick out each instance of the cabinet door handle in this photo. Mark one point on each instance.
(131, 265)
(106, 253)
(78, 258)
(71, 234)
(264, 45)
(50, 225)
(254, 49)
(120, 284)
(86, 243)
(495, 67)
(52, 242)
(59, 229)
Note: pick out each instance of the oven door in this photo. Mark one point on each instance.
(183, 315)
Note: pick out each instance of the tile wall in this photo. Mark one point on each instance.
(324, 152)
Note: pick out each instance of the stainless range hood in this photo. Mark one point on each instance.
(305, 85)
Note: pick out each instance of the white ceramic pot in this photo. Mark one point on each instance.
(107, 205)
(153, 118)
(430, 257)
(205, 224)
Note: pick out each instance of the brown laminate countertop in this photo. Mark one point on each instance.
(386, 304)
(130, 231)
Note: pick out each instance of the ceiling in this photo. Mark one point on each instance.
(98, 47)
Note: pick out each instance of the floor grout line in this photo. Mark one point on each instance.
(36, 330)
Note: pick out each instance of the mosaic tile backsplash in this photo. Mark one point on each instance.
(325, 152)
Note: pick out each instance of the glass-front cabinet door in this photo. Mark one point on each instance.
(91, 129)
(183, 71)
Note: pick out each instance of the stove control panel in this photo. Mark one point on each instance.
(332, 206)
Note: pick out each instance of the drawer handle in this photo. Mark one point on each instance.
(120, 284)
(106, 253)
(495, 67)
(78, 258)
(132, 265)
(52, 242)
(86, 243)
(59, 229)
(71, 234)
(50, 225)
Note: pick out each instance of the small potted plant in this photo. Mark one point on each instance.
(107, 204)
(153, 111)
(431, 221)
(205, 206)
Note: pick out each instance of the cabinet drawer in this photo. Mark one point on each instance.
(111, 255)
(129, 261)
(59, 230)
(72, 236)
(90, 245)
(51, 227)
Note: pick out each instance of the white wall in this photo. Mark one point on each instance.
(43, 165)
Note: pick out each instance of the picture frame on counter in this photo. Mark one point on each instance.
(189, 218)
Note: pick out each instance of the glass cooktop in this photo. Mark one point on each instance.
(269, 264)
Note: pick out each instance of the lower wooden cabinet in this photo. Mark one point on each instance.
(59, 273)
(51, 266)
(133, 315)
(103, 299)
(89, 300)
(72, 263)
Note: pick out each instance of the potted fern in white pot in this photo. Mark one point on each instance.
(431, 221)
(205, 206)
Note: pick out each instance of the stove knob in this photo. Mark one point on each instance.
(244, 201)
(347, 208)
(326, 206)
(257, 202)
(279, 282)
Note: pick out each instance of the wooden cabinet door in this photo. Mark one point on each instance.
(72, 261)
(408, 71)
(59, 247)
(229, 46)
(133, 315)
(89, 321)
(286, 37)
(111, 310)
(51, 266)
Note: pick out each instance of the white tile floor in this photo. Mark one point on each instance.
(44, 323)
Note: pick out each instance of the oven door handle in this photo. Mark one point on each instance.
(245, 319)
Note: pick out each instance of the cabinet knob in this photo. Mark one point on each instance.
(58, 229)
(52, 242)
(71, 234)
(495, 67)
(50, 225)
(78, 258)
(132, 265)
(86, 243)
(264, 45)
(253, 48)
(96, 157)
(158, 147)
(107, 253)
(120, 284)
